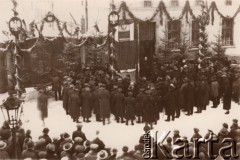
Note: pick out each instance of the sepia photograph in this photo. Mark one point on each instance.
(119, 79)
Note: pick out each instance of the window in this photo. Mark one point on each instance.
(174, 33)
(195, 33)
(228, 2)
(198, 2)
(227, 32)
(174, 3)
(147, 4)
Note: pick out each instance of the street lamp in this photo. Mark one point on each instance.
(11, 110)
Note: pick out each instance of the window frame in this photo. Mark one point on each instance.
(174, 31)
(147, 3)
(195, 33)
(228, 2)
(227, 32)
(174, 3)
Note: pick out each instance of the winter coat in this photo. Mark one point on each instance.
(214, 89)
(187, 95)
(170, 102)
(95, 98)
(86, 99)
(118, 103)
(56, 83)
(74, 105)
(104, 103)
(149, 109)
(129, 108)
(139, 104)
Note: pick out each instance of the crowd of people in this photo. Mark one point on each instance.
(173, 87)
(78, 147)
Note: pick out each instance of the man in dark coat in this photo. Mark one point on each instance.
(214, 94)
(42, 104)
(170, 102)
(187, 92)
(130, 108)
(118, 103)
(227, 93)
(199, 96)
(99, 142)
(57, 86)
(46, 136)
(139, 105)
(104, 103)
(86, 99)
(74, 105)
(149, 109)
(79, 133)
(96, 106)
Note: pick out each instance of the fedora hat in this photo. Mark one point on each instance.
(67, 146)
(102, 154)
(3, 145)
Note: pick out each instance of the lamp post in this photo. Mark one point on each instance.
(11, 110)
(15, 27)
(113, 21)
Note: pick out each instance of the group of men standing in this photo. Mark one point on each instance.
(175, 89)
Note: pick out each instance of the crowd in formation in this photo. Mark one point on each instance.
(171, 89)
(78, 147)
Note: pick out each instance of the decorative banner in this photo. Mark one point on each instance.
(125, 32)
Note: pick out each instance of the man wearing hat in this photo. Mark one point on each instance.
(196, 134)
(96, 107)
(187, 92)
(29, 152)
(42, 105)
(118, 104)
(176, 135)
(130, 108)
(99, 142)
(170, 102)
(3, 152)
(149, 109)
(215, 92)
(57, 86)
(104, 103)
(74, 103)
(102, 155)
(139, 105)
(51, 151)
(87, 103)
(79, 133)
(223, 133)
(234, 127)
(46, 136)
(92, 154)
(125, 153)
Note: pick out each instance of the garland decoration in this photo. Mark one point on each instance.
(75, 33)
(103, 44)
(160, 9)
(50, 18)
(81, 44)
(187, 9)
(214, 7)
(29, 49)
(123, 7)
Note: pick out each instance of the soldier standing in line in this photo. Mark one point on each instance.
(130, 108)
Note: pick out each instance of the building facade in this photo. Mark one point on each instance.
(176, 20)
